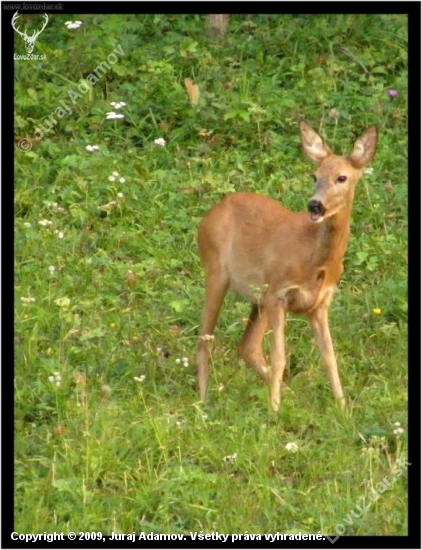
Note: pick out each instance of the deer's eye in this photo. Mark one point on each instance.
(341, 179)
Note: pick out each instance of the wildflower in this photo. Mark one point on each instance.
(398, 431)
(334, 114)
(118, 105)
(115, 174)
(73, 25)
(291, 447)
(220, 387)
(60, 235)
(27, 300)
(111, 115)
(111, 178)
(27, 225)
(204, 416)
(185, 362)
(45, 223)
(139, 379)
(160, 141)
(392, 94)
(369, 171)
(230, 458)
(92, 148)
(105, 389)
(58, 431)
(55, 379)
(207, 337)
(79, 378)
(51, 268)
(397, 424)
(255, 110)
(122, 180)
(120, 195)
(376, 311)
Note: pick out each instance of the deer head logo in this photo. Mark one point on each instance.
(29, 40)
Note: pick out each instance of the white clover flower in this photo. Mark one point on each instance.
(120, 195)
(60, 235)
(45, 223)
(230, 458)
(291, 447)
(27, 225)
(55, 379)
(177, 361)
(114, 116)
(92, 148)
(160, 141)
(111, 178)
(397, 424)
(73, 25)
(51, 268)
(398, 431)
(27, 300)
(369, 171)
(115, 174)
(118, 105)
(185, 362)
(139, 379)
(122, 180)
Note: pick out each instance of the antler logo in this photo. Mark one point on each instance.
(29, 40)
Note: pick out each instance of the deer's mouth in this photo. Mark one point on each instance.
(316, 211)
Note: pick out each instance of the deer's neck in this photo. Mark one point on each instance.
(332, 241)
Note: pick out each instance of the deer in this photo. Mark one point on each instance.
(249, 241)
(29, 40)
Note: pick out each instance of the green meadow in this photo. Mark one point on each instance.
(110, 435)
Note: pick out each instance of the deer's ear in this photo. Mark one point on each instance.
(312, 144)
(364, 148)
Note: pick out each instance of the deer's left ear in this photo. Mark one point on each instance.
(364, 148)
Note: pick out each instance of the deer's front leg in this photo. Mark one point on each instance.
(321, 329)
(277, 318)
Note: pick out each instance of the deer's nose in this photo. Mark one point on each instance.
(316, 207)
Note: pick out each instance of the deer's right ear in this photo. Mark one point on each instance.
(312, 144)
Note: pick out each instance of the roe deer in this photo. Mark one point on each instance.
(248, 241)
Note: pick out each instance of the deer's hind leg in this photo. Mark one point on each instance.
(216, 285)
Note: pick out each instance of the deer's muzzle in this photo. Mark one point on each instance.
(316, 210)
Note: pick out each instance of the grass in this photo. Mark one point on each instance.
(109, 295)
